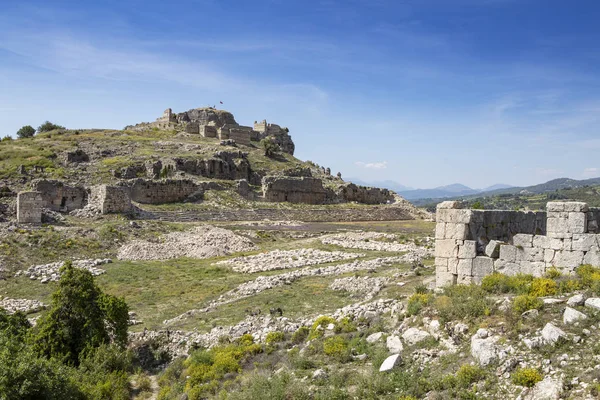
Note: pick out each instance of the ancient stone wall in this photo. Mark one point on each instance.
(471, 244)
(58, 196)
(294, 190)
(109, 199)
(365, 195)
(29, 207)
(281, 135)
(229, 165)
(160, 192)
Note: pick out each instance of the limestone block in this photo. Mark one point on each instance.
(534, 268)
(440, 230)
(483, 266)
(576, 206)
(549, 256)
(592, 225)
(441, 262)
(577, 222)
(523, 240)
(556, 244)
(508, 253)
(468, 249)
(540, 241)
(453, 265)
(531, 254)
(29, 207)
(592, 258)
(555, 206)
(453, 205)
(445, 279)
(464, 280)
(442, 215)
(458, 216)
(493, 249)
(446, 248)
(557, 225)
(507, 267)
(583, 241)
(568, 259)
(457, 231)
(465, 267)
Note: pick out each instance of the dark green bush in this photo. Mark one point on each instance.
(26, 131)
(48, 126)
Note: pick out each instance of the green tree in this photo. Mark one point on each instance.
(80, 319)
(269, 146)
(48, 126)
(26, 132)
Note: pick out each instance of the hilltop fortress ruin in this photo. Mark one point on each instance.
(212, 123)
(224, 156)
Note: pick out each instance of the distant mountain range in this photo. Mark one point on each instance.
(454, 190)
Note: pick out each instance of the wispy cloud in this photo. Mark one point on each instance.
(372, 165)
(591, 172)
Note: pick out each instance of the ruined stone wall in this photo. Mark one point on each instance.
(208, 131)
(29, 207)
(365, 195)
(229, 165)
(58, 196)
(294, 190)
(471, 244)
(281, 135)
(160, 192)
(109, 199)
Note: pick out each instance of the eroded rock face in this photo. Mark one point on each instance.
(294, 190)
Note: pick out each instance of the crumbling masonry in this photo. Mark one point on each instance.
(470, 244)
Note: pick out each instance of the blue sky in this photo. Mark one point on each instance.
(422, 92)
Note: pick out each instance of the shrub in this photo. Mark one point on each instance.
(300, 335)
(322, 322)
(144, 383)
(48, 126)
(26, 131)
(526, 302)
(499, 283)
(336, 347)
(590, 277)
(526, 377)
(569, 285)
(269, 146)
(274, 337)
(7, 138)
(416, 302)
(345, 325)
(553, 273)
(468, 374)
(463, 302)
(541, 287)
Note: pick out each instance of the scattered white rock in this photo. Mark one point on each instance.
(285, 259)
(484, 348)
(367, 286)
(201, 242)
(25, 306)
(576, 300)
(394, 344)
(552, 335)
(51, 272)
(376, 241)
(319, 374)
(390, 363)
(374, 337)
(550, 388)
(593, 302)
(571, 316)
(413, 336)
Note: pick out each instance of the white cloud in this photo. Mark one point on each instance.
(372, 165)
(591, 172)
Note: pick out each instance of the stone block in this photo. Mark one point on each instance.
(568, 259)
(493, 249)
(483, 266)
(468, 249)
(29, 207)
(577, 222)
(540, 241)
(592, 258)
(556, 243)
(452, 205)
(508, 253)
(457, 231)
(576, 206)
(440, 230)
(549, 256)
(554, 206)
(446, 248)
(557, 225)
(507, 267)
(442, 215)
(583, 241)
(534, 254)
(443, 279)
(522, 240)
(534, 268)
(110, 199)
(464, 280)
(559, 235)
(441, 262)
(440, 269)
(465, 267)
(453, 265)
